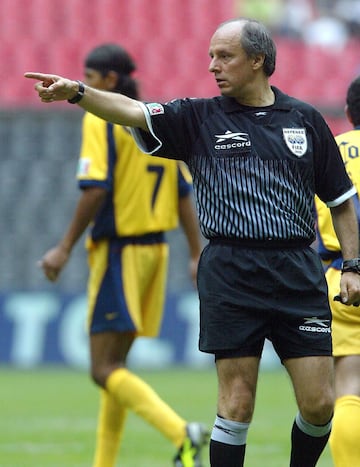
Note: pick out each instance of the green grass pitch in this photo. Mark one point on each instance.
(48, 418)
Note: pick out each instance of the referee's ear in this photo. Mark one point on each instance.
(258, 61)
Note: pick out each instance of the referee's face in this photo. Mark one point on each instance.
(233, 70)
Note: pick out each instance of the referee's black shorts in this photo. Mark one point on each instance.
(249, 294)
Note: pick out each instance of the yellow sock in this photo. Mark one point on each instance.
(345, 433)
(109, 430)
(133, 393)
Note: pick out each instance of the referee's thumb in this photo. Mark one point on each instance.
(343, 298)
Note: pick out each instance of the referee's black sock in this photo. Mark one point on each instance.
(307, 442)
(226, 455)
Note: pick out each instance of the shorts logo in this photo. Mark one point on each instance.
(315, 325)
(111, 316)
(155, 109)
(232, 140)
(295, 139)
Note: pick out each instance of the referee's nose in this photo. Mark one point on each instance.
(213, 65)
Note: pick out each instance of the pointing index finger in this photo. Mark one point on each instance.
(45, 79)
(39, 76)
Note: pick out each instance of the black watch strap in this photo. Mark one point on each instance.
(351, 265)
(80, 94)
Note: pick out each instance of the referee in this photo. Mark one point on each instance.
(257, 157)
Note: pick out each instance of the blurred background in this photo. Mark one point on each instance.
(318, 45)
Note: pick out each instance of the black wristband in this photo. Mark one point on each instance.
(80, 94)
(351, 265)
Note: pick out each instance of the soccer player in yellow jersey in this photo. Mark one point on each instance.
(345, 435)
(129, 199)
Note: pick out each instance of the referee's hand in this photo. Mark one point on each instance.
(337, 298)
(349, 289)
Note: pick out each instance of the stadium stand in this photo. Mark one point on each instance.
(315, 74)
(169, 41)
(38, 189)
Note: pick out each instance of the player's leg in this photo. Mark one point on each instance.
(237, 379)
(132, 393)
(110, 428)
(344, 439)
(146, 267)
(345, 433)
(108, 357)
(127, 286)
(108, 352)
(312, 379)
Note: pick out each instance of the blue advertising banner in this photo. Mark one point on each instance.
(43, 328)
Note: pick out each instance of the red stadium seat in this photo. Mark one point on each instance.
(168, 39)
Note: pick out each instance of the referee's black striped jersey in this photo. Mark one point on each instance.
(255, 170)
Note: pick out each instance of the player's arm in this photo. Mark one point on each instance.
(89, 203)
(190, 226)
(346, 227)
(112, 107)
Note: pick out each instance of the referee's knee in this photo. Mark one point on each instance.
(318, 411)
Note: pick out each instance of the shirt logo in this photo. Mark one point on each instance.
(315, 325)
(155, 109)
(295, 139)
(229, 135)
(232, 140)
(83, 167)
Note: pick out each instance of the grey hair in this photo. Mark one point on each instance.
(255, 39)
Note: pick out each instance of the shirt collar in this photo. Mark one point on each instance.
(282, 102)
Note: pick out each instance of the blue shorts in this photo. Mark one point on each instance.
(127, 283)
(249, 294)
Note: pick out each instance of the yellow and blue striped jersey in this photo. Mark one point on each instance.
(328, 244)
(143, 191)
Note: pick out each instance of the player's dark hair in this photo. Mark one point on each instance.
(353, 101)
(255, 39)
(112, 57)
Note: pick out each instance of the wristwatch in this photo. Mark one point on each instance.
(80, 94)
(351, 265)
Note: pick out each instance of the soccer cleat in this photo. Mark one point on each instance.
(189, 455)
